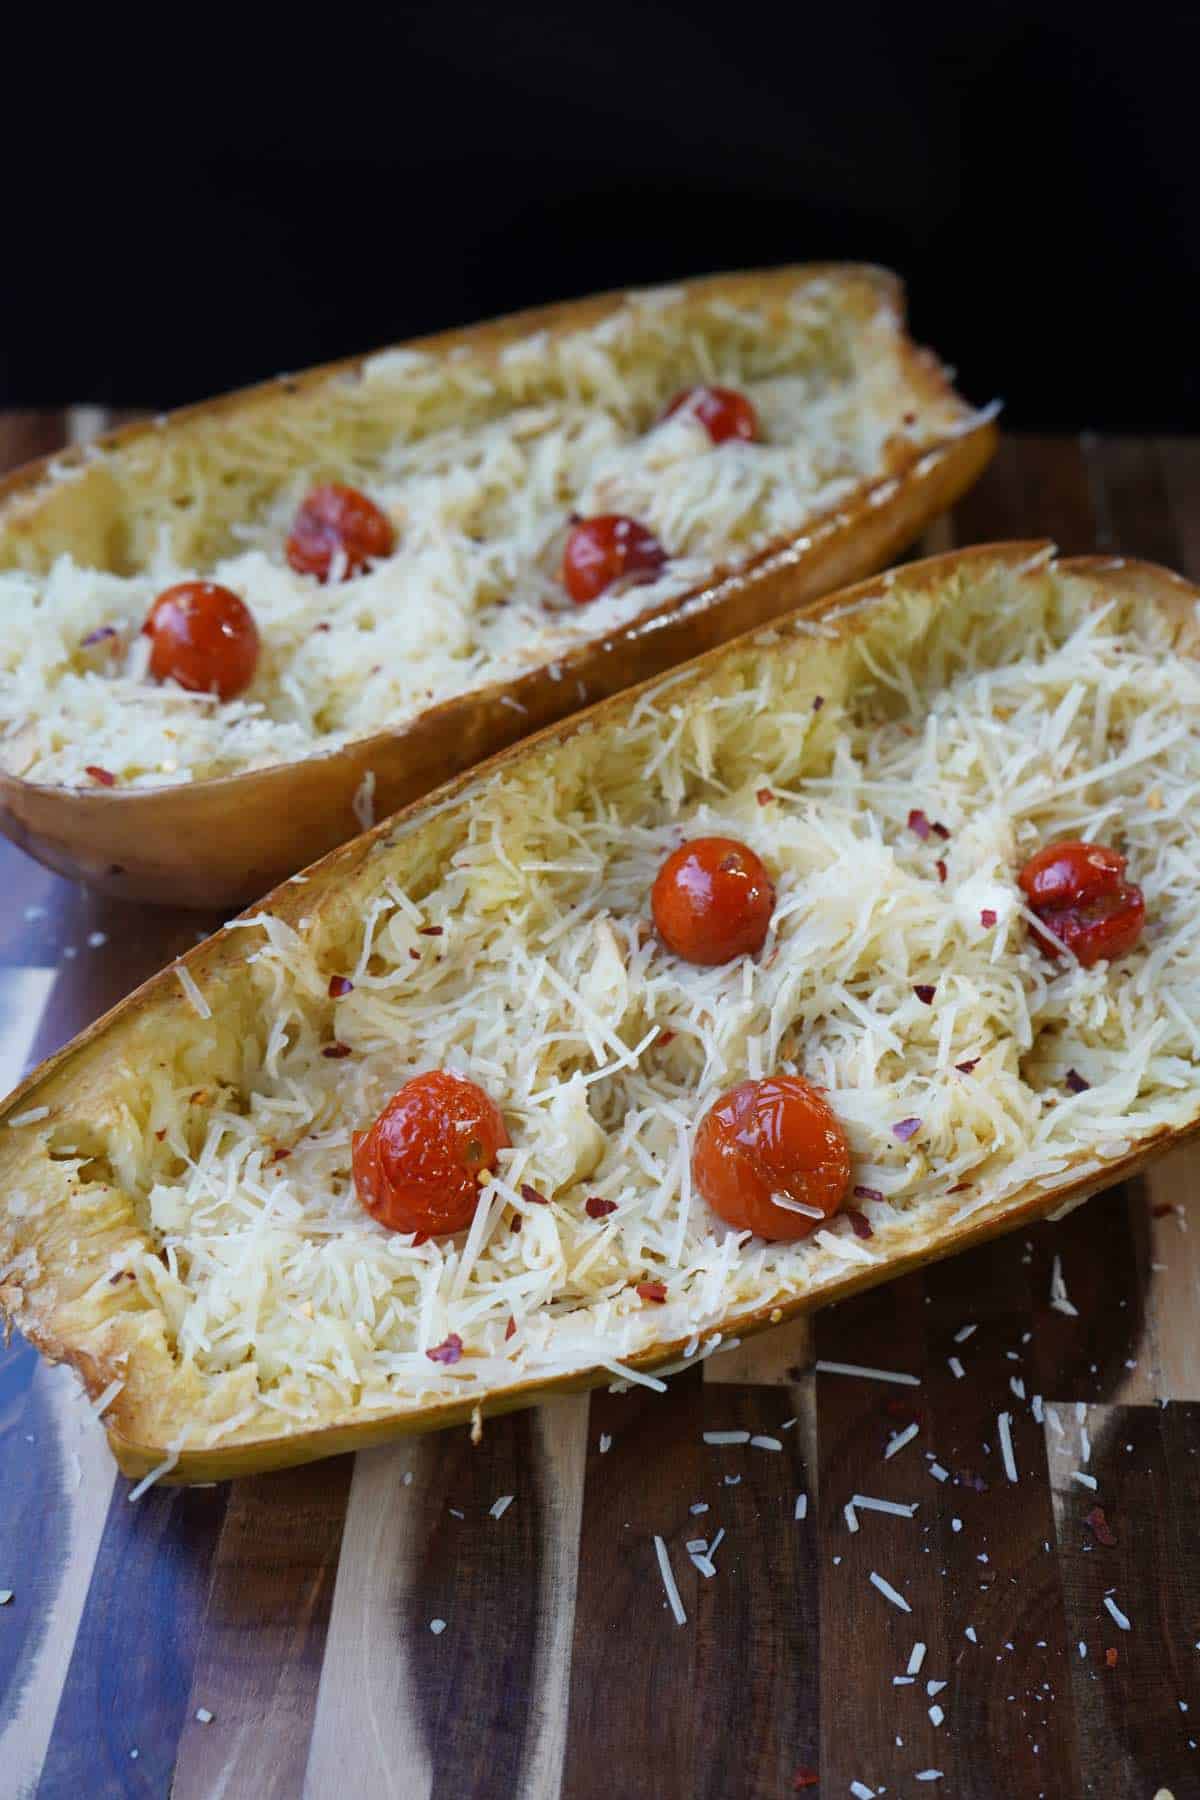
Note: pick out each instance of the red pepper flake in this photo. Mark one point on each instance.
(339, 985)
(534, 1198)
(804, 1778)
(941, 869)
(866, 1193)
(764, 796)
(925, 993)
(105, 777)
(98, 636)
(987, 918)
(448, 1352)
(1110, 1657)
(1076, 1083)
(906, 1128)
(968, 1067)
(510, 1330)
(818, 702)
(960, 1187)
(666, 1037)
(280, 1155)
(652, 1290)
(516, 1221)
(941, 829)
(431, 930)
(598, 1208)
(1101, 1527)
(860, 1225)
(918, 822)
(415, 954)
(968, 1478)
(335, 1052)
(160, 1135)
(1160, 1212)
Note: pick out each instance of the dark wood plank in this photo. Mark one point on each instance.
(1129, 490)
(1134, 1734)
(756, 1699)
(1180, 458)
(1103, 1253)
(1005, 1710)
(26, 435)
(131, 1672)
(631, 1717)
(1036, 487)
(258, 1665)
(864, 1639)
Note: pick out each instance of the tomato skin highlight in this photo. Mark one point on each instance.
(607, 549)
(724, 412)
(769, 1137)
(417, 1169)
(203, 637)
(333, 518)
(1079, 892)
(712, 900)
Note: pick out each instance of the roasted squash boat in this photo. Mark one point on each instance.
(235, 637)
(505, 1096)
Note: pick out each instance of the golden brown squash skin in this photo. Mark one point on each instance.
(152, 1406)
(218, 843)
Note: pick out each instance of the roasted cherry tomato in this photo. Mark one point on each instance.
(1080, 893)
(418, 1167)
(607, 549)
(767, 1141)
(723, 412)
(335, 518)
(712, 900)
(204, 638)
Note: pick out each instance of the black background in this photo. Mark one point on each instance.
(199, 204)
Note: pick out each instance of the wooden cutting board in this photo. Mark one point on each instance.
(298, 1609)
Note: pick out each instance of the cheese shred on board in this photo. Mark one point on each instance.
(1021, 709)
(486, 461)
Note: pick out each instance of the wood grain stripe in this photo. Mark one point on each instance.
(633, 1669)
(478, 1706)
(864, 1638)
(258, 1665)
(58, 1481)
(1007, 1720)
(1103, 1351)
(1172, 1203)
(1134, 1733)
(131, 1669)
(757, 1685)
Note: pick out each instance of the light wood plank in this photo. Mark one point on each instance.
(1174, 1184)
(772, 1359)
(367, 1737)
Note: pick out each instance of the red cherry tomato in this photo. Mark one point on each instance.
(607, 549)
(768, 1139)
(335, 518)
(1080, 893)
(712, 900)
(723, 412)
(418, 1167)
(204, 638)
